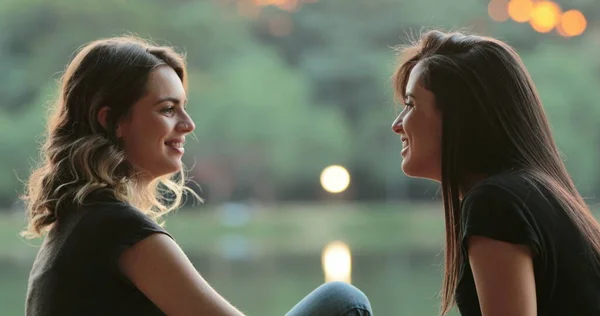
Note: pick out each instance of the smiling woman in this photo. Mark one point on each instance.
(116, 132)
(520, 239)
(154, 133)
(421, 131)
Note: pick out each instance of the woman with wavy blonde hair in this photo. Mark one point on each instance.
(115, 136)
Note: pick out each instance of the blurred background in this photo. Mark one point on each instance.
(293, 152)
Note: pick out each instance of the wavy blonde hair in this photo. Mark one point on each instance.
(79, 155)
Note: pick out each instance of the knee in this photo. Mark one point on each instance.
(352, 300)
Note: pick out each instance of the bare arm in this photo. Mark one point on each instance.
(504, 277)
(159, 268)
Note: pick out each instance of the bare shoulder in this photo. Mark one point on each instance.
(160, 269)
(504, 277)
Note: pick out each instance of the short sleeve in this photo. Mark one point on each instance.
(495, 212)
(116, 227)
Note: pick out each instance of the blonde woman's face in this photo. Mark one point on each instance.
(154, 133)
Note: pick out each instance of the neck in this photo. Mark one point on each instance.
(470, 181)
(142, 182)
(143, 179)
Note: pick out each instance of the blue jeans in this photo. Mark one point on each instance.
(333, 299)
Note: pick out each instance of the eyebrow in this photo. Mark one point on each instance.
(170, 99)
(410, 95)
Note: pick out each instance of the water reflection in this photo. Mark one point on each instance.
(337, 262)
(397, 282)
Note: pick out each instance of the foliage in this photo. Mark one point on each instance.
(272, 111)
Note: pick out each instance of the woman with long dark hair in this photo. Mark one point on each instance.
(520, 239)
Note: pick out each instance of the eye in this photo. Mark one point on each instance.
(408, 105)
(169, 110)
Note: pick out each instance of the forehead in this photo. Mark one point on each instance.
(413, 86)
(164, 81)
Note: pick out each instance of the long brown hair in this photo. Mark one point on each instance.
(80, 156)
(492, 121)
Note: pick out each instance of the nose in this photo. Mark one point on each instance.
(397, 125)
(186, 125)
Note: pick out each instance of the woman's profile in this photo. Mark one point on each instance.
(520, 239)
(115, 139)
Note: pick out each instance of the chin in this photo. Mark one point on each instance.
(410, 172)
(167, 169)
(173, 169)
(408, 168)
(419, 171)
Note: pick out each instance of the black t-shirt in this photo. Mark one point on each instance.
(507, 207)
(76, 270)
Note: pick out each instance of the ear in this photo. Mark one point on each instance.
(102, 116)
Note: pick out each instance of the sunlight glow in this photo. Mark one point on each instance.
(337, 262)
(335, 179)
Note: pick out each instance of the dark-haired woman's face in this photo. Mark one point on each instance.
(420, 128)
(154, 133)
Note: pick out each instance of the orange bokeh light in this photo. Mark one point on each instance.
(288, 5)
(545, 16)
(520, 10)
(498, 10)
(560, 31)
(248, 9)
(572, 23)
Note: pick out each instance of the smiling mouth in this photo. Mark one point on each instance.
(405, 146)
(404, 142)
(176, 145)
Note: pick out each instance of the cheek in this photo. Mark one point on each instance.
(434, 140)
(412, 127)
(134, 146)
(141, 140)
(424, 133)
(152, 130)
